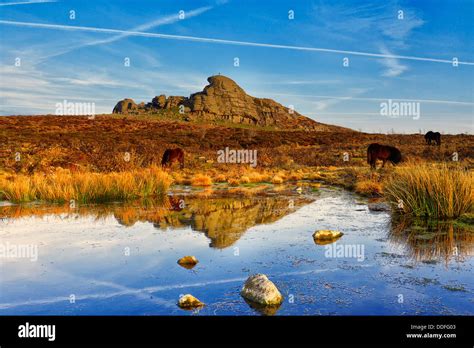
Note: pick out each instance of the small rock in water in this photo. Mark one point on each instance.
(379, 206)
(326, 236)
(188, 262)
(259, 289)
(189, 302)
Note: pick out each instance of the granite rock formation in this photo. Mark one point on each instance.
(222, 100)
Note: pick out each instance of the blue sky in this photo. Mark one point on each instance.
(82, 59)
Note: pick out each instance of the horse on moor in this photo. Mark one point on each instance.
(383, 152)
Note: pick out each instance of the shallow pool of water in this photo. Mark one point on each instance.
(122, 260)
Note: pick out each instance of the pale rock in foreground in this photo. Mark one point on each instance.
(189, 302)
(259, 289)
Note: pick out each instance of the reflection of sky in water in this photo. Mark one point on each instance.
(85, 256)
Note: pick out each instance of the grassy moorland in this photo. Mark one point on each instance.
(84, 187)
(106, 158)
(99, 145)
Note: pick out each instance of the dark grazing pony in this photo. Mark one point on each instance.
(173, 155)
(382, 152)
(433, 136)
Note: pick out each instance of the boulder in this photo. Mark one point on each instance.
(326, 236)
(125, 106)
(159, 102)
(174, 101)
(189, 302)
(259, 289)
(188, 262)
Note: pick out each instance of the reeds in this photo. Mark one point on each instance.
(63, 185)
(437, 191)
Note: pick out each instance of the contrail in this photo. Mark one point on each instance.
(223, 41)
(434, 101)
(160, 21)
(155, 23)
(26, 2)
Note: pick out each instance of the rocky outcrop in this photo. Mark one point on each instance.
(223, 100)
(162, 102)
(125, 106)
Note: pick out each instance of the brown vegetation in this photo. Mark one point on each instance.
(36, 147)
(111, 143)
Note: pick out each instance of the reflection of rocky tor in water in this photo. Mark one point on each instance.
(225, 220)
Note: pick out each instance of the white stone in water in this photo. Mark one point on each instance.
(259, 289)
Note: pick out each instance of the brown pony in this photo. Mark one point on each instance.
(433, 136)
(173, 155)
(384, 153)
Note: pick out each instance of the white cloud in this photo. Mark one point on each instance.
(393, 65)
(377, 24)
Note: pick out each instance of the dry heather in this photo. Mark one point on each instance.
(103, 144)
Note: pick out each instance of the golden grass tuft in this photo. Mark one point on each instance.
(178, 178)
(431, 191)
(277, 180)
(201, 180)
(63, 185)
(244, 179)
(369, 188)
(220, 178)
(233, 182)
(256, 177)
